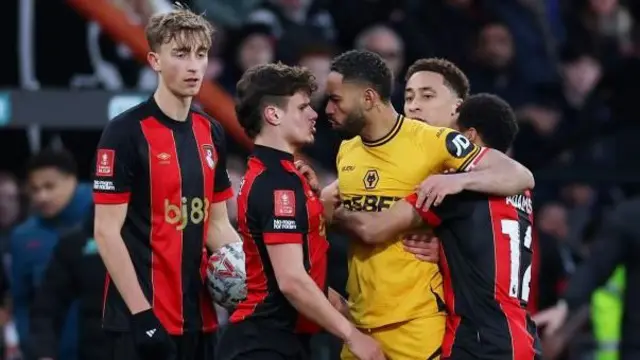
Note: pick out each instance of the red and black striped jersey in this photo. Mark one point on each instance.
(485, 260)
(277, 206)
(169, 172)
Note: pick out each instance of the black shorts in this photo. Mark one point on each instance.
(253, 340)
(190, 346)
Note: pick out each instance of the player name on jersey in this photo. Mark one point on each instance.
(520, 202)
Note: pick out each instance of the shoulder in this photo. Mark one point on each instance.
(423, 130)
(130, 118)
(347, 145)
(26, 227)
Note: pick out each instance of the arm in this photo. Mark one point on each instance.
(607, 253)
(377, 228)
(108, 223)
(113, 175)
(52, 300)
(497, 174)
(279, 206)
(330, 198)
(484, 170)
(302, 292)
(220, 231)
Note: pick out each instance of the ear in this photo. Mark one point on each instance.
(154, 61)
(272, 115)
(472, 135)
(456, 106)
(370, 98)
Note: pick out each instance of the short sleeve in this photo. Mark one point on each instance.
(278, 207)
(222, 189)
(436, 215)
(114, 164)
(455, 151)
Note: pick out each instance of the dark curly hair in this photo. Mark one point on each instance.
(493, 119)
(365, 67)
(454, 78)
(265, 85)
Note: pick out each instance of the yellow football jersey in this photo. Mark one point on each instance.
(386, 284)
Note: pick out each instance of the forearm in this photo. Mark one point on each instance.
(509, 181)
(376, 228)
(307, 298)
(118, 262)
(221, 233)
(338, 302)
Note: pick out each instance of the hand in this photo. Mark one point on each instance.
(151, 339)
(434, 189)
(552, 318)
(330, 198)
(364, 347)
(306, 170)
(425, 246)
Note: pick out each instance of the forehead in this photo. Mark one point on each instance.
(45, 175)
(426, 80)
(188, 40)
(337, 86)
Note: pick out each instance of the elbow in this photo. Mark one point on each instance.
(530, 181)
(289, 284)
(368, 234)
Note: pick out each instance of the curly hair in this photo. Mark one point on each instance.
(365, 67)
(492, 117)
(268, 85)
(454, 78)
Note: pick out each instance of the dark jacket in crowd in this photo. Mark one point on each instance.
(76, 272)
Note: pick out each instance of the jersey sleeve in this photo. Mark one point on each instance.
(113, 165)
(222, 189)
(454, 151)
(279, 209)
(436, 215)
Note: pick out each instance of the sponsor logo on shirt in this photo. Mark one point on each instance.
(105, 162)
(279, 224)
(103, 185)
(284, 203)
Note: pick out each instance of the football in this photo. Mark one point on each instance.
(226, 276)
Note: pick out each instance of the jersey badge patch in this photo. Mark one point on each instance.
(284, 203)
(458, 145)
(371, 179)
(105, 161)
(208, 155)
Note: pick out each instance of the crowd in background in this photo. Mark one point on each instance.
(570, 68)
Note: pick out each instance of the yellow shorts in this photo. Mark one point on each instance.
(416, 339)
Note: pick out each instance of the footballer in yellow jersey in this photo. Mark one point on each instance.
(392, 295)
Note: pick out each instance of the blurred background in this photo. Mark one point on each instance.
(570, 68)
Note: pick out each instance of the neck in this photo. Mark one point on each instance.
(175, 107)
(275, 142)
(574, 98)
(379, 123)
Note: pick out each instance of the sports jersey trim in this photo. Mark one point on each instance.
(111, 199)
(282, 238)
(223, 196)
(389, 136)
(466, 165)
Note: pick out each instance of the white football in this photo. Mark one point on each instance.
(226, 276)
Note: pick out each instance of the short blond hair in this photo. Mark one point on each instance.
(182, 24)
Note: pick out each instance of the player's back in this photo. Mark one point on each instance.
(386, 284)
(487, 270)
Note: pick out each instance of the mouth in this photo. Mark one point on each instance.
(192, 81)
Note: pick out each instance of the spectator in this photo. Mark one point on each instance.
(556, 258)
(494, 69)
(60, 204)
(249, 46)
(385, 42)
(283, 16)
(9, 208)
(75, 272)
